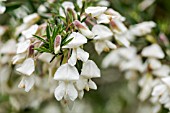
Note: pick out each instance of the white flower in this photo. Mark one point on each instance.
(115, 14)
(142, 28)
(166, 80)
(154, 51)
(90, 70)
(66, 72)
(122, 39)
(23, 46)
(95, 11)
(9, 47)
(154, 63)
(65, 90)
(80, 3)
(78, 40)
(84, 83)
(45, 57)
(27, 83)
(18, 58)
(159, 90)
(146, 84)
(112, 59)
(30, 31)
(104, 45)
(163, 71)
(102, 39)
(134, 64)
(31, 19)
(83, 29)
(117, 26)
(102, 32)
(79, 54)
(27, 67)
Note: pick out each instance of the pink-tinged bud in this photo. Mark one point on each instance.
(57, 43)
(31, 50)
(114, 26)
(83, 29)
(164, 38)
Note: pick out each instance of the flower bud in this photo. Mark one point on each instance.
(31, 50)
(83, 29)
(57, 43)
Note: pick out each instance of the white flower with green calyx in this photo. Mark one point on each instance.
(66, 75)
(31, 19)
(27, 67)
(102, 40)
(89, 70)
(27, 83)
(83, 29)
(77, 52)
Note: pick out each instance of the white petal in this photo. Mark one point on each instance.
(9, 47)
(66, 72)
(103, 18)
(78, 40)
(81, 94)
(102, 32)
(154, 63)
(95, 11)
(142, 28)
(153, 50)
(112, 59)
(72, 92)
(81, 83)
(166, 80)
(31, 19)
(27, 68)
(159, 90)
(90, 70)
(82, 55)
(18, 58)
(30, 31)
(120, 27)
(163, 71)
(99, 46)
(79, 3)
(110, 44)
(92, 85)
(73, 59)
(45, 57)
(120, 38)
(60, 91)
(27, 83)
(23, 46)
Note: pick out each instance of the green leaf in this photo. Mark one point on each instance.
(41, 39)
(66, 42)
(42, 49)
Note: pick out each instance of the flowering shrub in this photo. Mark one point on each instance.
(47, 47)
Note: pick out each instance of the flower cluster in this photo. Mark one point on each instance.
(143, 68)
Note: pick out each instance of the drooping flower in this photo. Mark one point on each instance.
(66, 75)
(102, 40)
